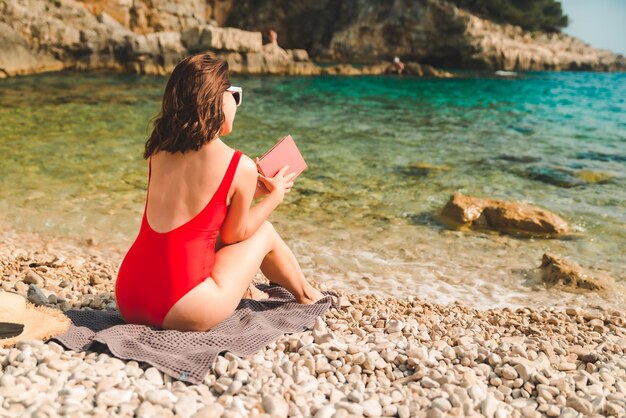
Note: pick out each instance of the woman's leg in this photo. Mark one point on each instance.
(235, 266)
(257, 294)
(280, 266)
(216, 298)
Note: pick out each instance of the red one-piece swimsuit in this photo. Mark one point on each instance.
(160, 268)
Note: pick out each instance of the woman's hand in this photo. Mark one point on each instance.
(261, 190)
(279, 184)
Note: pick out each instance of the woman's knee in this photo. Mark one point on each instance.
(268, 227)
(265, 236)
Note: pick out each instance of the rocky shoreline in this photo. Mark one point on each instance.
(41, 36)
(374, 356)
(147, 37)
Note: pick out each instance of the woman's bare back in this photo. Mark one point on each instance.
(181, 185)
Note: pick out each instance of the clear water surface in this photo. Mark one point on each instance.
(384, 155)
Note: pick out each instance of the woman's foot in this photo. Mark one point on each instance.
(253, 293)
(311, 295)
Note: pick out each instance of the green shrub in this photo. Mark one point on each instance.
(532, 15)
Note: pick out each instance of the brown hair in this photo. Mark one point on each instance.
(191, 114)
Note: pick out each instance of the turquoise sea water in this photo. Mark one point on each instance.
(384, 155)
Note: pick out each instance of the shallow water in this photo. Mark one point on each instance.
(384, 155)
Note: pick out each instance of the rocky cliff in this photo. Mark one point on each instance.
(151, 36)
(428, 31)
(146, 37)
(132, 36)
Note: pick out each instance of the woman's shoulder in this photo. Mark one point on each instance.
(246, 163)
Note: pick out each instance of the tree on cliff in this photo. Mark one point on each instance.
(532, 15)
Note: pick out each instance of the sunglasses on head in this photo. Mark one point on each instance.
(237, 93)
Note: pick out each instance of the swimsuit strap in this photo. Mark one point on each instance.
(145, 207)
(224, 187)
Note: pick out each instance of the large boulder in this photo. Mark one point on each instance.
(210, 37)
(558, 271)
(147, 16)
(271, 59)
(48, 36)
(17, 57)
(509, 217)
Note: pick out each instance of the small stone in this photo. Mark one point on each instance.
(553, 411)
(59, 365)
(494, 359)
(209, 411)
(502, 413)
(509, 373)
(32, 278)
(235, 387)
(154, 376)
(566, 366)
(529, 412)
(448, 352)
(326, 411)
(21, 287)
(404, 411)
(275, 406)
(524, 371)
(161, 397)
(441, 403)
(428, 383)
(145, 410)
(372, 408)
(186, 406)
(614, 409)
(114, 397)
(590, 357)
(567, 412)
(352, 408)
(476, 392)
(488, 406)
(394, 325)
(36, 296)
(355, 396)
(581, 405)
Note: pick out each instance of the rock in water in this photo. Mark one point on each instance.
(556, 270)
(508, 217)
(594, 177)
(555, 176)
(420, 169)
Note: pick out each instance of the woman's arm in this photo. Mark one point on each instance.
(241, 220)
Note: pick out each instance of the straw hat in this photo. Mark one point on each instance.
(20, 320)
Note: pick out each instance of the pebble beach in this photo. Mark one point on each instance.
(375, 356)
(471, 219)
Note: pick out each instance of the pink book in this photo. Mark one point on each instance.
(284, 152)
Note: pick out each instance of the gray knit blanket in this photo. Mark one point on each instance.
(189, 356)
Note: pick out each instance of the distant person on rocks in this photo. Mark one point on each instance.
(273, 37)
(396, 67)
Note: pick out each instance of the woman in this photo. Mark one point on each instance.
(201, 243)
